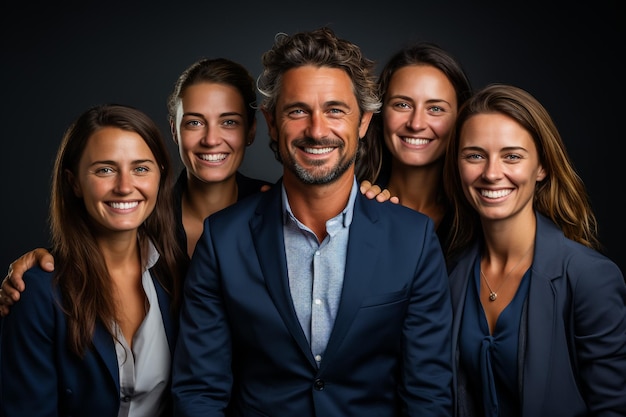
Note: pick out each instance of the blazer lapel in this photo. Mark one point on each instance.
(105, 347)
(267, 234)
(362, 253)
(166, 313)
(541, 317)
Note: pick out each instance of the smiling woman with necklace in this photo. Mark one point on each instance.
(539, 313)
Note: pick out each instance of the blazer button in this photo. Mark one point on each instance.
(318, 385)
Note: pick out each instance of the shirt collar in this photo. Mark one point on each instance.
(347, 212)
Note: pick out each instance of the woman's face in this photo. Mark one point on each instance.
(419, 112)
(118, 179)
(212, 131)
(498, 165)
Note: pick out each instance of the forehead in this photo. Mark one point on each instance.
(421, 79)
(310, 84)
(114, 144)
(214, 94)
(494, 129)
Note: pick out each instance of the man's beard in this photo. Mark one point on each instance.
(322, 176)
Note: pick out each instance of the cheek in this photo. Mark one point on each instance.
(189, 140)
(442, 126)
(236, 141)
(150, 189)
(468, 174)
(393, 120)
(92, 190)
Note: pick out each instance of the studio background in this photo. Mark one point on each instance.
(59, 60)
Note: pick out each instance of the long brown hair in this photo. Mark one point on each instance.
(561, 196)
(374, 159)
(81, 272)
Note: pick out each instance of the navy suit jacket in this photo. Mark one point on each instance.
(241, 342)
(40, 376)
(572, 351)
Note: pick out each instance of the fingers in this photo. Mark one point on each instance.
(370, 190)
(4, 311)
(8, 293)
(45, 259)
(383, 195)
(38, 256)
(7, 298)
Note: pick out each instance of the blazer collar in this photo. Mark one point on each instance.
(267, 234)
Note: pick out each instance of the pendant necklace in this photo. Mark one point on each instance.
(493, 295)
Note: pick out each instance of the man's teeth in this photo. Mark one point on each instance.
(318, 151)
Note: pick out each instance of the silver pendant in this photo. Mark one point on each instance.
(492, 296)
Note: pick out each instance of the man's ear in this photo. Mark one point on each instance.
(365, 122)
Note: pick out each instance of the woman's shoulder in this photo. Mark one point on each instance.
(38, 277)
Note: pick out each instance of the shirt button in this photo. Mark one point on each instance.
(318, 358)
(318, 301)
(126, 398)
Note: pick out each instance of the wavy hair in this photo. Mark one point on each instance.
(320, 48)
(561, 196)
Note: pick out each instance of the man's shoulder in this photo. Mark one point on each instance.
(392, 211)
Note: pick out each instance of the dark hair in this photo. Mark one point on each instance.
(81, 270)
(561, 196)
(375, 158)
(219, 71)
(321, 48)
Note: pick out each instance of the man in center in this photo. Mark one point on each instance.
(310, 299)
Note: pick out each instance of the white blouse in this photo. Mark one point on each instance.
(145, 370)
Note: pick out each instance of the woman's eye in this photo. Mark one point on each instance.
(104, 171)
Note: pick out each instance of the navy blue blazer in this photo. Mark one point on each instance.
(40, 376)
(240, 340)
(572, 352)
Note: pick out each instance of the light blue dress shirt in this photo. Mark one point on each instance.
(316, 271)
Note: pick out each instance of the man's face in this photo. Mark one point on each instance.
(317, 124)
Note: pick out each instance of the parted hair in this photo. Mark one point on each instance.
(81, 272)
(219, 71)
(561, 196)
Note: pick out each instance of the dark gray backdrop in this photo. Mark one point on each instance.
(59, 60)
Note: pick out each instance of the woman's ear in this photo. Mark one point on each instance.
(71, 180)
(251, 133)
(173, 131)
(541, 174)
